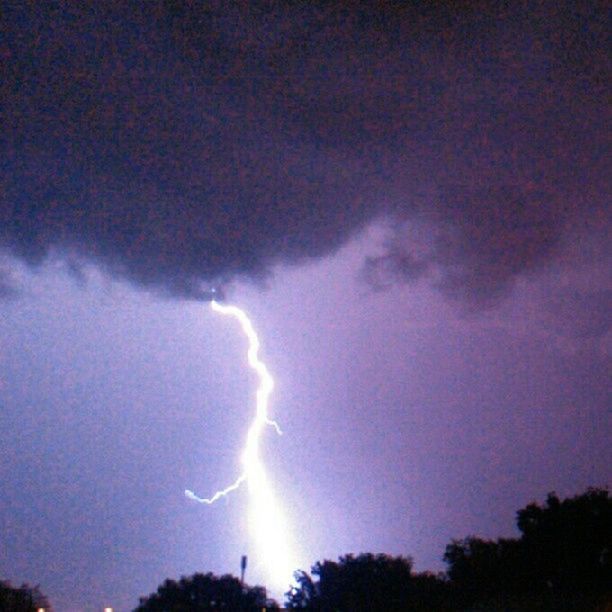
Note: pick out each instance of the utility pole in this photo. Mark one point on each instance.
(243, 564)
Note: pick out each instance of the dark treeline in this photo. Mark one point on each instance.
(206, 592)
(562, 561)
(24, 598)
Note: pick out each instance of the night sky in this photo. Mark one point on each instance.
(411, 202)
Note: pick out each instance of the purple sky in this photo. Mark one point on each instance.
(412, 206)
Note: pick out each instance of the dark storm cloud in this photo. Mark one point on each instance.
(479, 239)
(181, 144)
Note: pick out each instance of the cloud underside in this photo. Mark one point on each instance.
(184, 146)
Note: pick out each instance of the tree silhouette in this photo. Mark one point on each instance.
(483, 569)
(561, 561)
(22, 599)
(206, 592)
(568, 544)
(366, 582)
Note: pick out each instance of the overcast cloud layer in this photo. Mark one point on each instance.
(182, 146)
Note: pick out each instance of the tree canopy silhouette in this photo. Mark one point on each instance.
(569, 542)
(561, 562)
(365, 582)
(562, 559)
(206, 592)
(22, 599)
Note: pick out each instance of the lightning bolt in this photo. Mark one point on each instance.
(266, 520)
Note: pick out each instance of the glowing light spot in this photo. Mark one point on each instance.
(266, 520)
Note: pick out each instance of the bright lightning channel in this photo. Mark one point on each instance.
(266, 521)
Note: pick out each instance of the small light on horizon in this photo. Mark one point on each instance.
(108, 610)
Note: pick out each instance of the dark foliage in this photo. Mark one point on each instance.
(569, 543)
(366, 582)
(561, 561)
(206, 592)
(21, 599)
